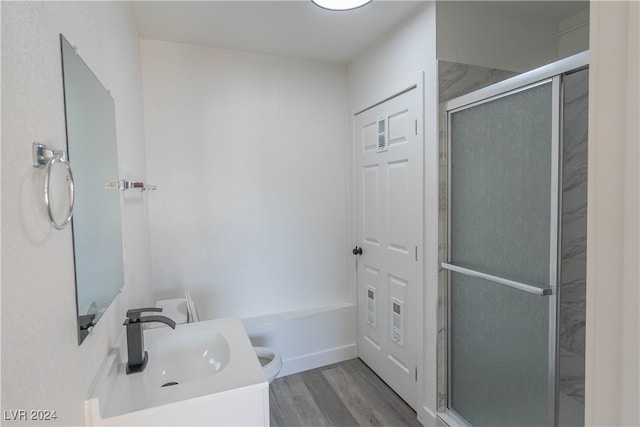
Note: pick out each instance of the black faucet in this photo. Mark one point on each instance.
(138, 357)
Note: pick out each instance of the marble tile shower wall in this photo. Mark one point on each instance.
(574, 236)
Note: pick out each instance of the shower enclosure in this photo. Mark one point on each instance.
(505, 248)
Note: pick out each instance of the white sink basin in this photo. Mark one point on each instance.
(219, 381)
(183, 357)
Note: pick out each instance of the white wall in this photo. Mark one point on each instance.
(390, 65)
(249, 155)
(42, 365)
(613, 240)
(573, 34)
(393, 63)
(493, 35)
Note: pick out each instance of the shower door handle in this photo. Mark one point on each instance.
(502, 281)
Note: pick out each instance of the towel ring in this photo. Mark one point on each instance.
(62, 159)
(44, 157)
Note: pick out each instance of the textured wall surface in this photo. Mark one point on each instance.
(249, 153)
(42, 365)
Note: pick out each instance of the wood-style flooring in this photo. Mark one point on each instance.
(344, 394)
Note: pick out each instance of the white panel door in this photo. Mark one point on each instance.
(389, 231)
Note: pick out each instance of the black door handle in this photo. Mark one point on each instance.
(357, 251)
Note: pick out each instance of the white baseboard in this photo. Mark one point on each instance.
(318, 359)
(307, 339)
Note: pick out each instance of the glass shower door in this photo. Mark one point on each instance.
(503, 216)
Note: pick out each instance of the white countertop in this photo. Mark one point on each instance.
(121, 394)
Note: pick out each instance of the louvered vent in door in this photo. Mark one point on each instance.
(397, 333)
(383, 133)
(371, 306)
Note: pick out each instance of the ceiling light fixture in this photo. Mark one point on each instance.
(340, 4)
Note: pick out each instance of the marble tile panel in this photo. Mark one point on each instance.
(571, 413)
(573, 285)
(574, 174)
(572, 330)
(574, 211)
(449, 76)
(573, 200)
(571, 374)
(576, 117)
(574, 222)
(574, 247)
(576, 85)
(575, 161)
(576, 109)
(456, 79)
(574, 239)
(496, 75)
(575, 138)
(574, 244)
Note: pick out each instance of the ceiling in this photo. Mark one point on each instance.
(290, 28)
(297, 28)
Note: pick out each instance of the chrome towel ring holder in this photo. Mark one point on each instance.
(44, 158)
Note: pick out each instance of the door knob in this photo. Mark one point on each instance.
(357, 251)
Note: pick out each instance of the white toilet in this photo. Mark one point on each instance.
(270, 360)
(183, 310)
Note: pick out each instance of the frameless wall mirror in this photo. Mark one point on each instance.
(97, 232)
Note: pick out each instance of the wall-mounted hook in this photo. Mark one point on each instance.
(133, 185)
